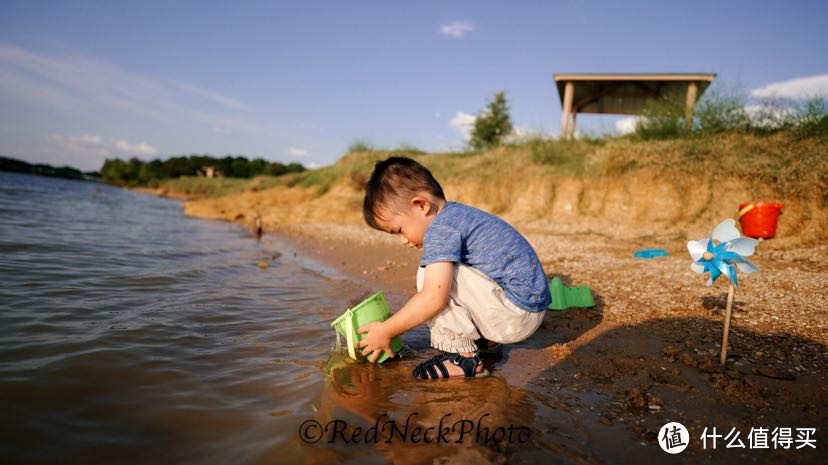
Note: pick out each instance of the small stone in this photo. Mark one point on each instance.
(635, 398)
(688, 360)
(263, 264)
(708, 365)
(654, 402)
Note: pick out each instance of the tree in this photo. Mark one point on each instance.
(114, 171)
(492, 124)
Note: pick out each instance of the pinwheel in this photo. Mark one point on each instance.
(721, 255)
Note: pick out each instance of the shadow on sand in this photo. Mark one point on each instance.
(588, 394)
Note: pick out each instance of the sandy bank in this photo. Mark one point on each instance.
(649, 349)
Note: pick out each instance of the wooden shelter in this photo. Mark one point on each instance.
(625, 94)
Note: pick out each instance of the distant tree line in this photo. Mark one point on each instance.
(20, 166)
(137, 172)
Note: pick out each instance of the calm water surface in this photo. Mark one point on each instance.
(130, 333)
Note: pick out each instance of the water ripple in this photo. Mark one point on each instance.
(131, 333)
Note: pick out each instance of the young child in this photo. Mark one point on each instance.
(479, 279)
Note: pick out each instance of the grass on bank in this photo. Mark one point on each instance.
(779, 143)
(197, 186)
(719, 111)
(793, 162)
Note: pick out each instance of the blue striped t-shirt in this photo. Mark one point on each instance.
(463, 234)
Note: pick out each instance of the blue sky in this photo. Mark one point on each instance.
(301, 81)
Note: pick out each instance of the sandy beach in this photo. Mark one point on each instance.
(649, 350)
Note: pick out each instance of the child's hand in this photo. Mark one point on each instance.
(377, 340)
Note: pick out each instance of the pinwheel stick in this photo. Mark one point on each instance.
(727, 323)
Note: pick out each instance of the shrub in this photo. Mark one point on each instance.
(492, 124)
(361, 145)
(812, 118)
(660, 119)
(718, 112)
(567, 157)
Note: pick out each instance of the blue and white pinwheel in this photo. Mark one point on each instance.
(722, 253)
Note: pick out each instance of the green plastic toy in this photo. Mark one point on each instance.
(564, 297)
(374, 308)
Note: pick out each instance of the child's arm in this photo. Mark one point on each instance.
(423, 306)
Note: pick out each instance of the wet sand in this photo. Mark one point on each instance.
(596, 384)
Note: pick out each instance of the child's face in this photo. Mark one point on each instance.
(409, 223)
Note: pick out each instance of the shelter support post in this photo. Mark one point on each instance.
(692, 91)
(571, 134)
(569, 91)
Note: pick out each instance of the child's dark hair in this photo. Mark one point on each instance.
(394, 181)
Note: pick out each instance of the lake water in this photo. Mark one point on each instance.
(130, 333)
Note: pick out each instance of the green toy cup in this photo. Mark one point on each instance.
(372, 309)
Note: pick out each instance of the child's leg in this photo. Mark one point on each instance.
(477, 307)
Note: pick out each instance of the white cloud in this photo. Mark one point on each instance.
(311, 165)
(457, 29)
(626, 125)
(15, 87)
(229, 124)
(87, 144)
(98, 147)
(214, 96)
(141, 148)
(81, 84)
(520, 135)
(297, 152)
(86, 139)
(799, 88)
(463, 123)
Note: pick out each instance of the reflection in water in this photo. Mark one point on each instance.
(483, 420)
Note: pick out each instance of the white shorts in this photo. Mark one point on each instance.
(477, 307)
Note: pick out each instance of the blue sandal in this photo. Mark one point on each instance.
(435, 368)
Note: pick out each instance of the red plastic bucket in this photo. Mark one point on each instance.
(759, 220)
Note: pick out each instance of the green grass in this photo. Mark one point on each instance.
(203, 187)
(561, 156)
(719, 112)
(793, 161)
(361, 145)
